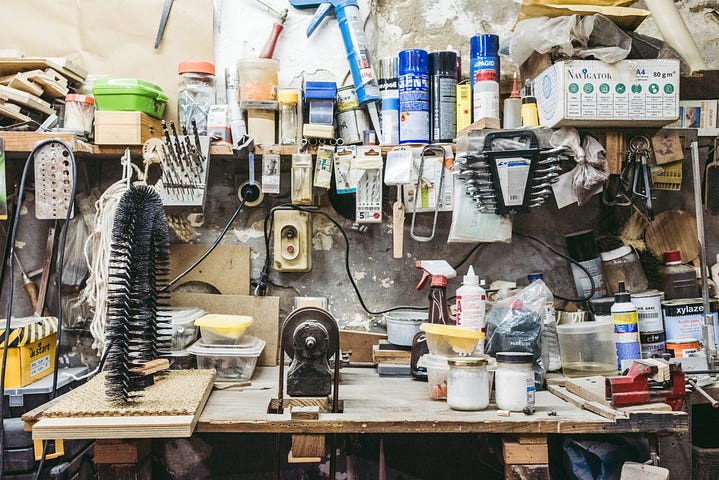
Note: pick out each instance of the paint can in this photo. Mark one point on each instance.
(649, 309)
(413, 85)
(351, 124)
(347, 99)
(483, 55)
(653, 344)
(683, 318)
(684, 347)
(443, 102)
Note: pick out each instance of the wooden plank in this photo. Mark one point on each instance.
(122, 451)
(292, 459)
(12, 111)
(321, 403)
(125, 471)
(518, 454)
(226, 269)
(360, 343)
(526, 472)
(528, 439)
(52, 87)
(79, 428)
(589, 388)
(308, 446)
(24, 142)
(595, 407)
(20, 82)
(392, 357)
(615, 147)
(13, 65)
(23, 98)
(310, 412)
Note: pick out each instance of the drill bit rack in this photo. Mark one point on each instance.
(185, 168)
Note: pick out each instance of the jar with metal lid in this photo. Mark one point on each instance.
(622, 265)
(288, 100)
(514, 381)
(467, 383)
(196, 94)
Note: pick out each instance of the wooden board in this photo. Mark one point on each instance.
(673, 230)
(125, 128)
(24, 98)
(49, 82)
(264, 310)
(12, 111)
(360, 343)
(68, 69)
(227, 268)
(518, 454)
(391, 357)
(20, 82)
(24, 142)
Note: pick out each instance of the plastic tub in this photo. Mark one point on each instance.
(402, 326)
(437, 372)
(587, 348)
(258, 78)
(232, 363)
(218, 329)
(129, 95)
(181, 360)
(450, 340)
(184, 331)
(79, 112)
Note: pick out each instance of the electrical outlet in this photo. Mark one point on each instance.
(292, 235)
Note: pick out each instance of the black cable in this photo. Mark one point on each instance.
(468, 255)
(570, 260)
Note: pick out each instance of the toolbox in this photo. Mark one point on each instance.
(31, 354)
(19, 401)
(129, 95)
(125, 128)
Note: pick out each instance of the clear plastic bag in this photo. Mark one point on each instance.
(592, 169)
(78, 230)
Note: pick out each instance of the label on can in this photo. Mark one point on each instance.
(484, 63)
(347, 128)
(652, 344)
(683, 347)
(626, 337)
(388, 87)
(346, 98)
(414, 108)
(683, 318)
(444, 105)
(390, 121)
(649, 310)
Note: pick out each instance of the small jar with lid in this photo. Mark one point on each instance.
(677, 280)
(467, 383)
(514, 381)
(622, 265)
(79, 113)
(288, 100)
(196, 94)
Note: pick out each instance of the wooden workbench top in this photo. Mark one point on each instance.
(374, 404)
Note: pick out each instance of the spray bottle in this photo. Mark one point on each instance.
(439, 271)
(350, 22)
(626, 328)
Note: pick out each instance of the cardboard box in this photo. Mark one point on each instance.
(699, 114)
(125, 128)
(592, 93)
(31, 355)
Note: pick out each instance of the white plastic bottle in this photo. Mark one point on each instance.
(485, 97)
(471, 303)
(513, 108)
(626, 328)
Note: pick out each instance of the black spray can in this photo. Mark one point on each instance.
(443, 96)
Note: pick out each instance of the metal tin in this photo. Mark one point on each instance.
(387, 77)
(683, 318)
(649, 310)
(653, 344)
(348, 126)
(683, 347)
(347, 99)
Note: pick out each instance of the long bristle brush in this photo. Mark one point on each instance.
(139, 265)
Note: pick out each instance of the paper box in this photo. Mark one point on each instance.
(592, 93)
(31, 355)
(699, 114)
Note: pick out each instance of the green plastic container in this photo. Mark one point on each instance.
(129, 95)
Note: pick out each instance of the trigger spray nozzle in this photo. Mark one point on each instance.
(438, 270)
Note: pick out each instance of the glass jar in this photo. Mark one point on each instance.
(514, 381)
(79, 112)
(289, 116)
(467, 384)
(196, 94)
(301, 179)
(622, 265)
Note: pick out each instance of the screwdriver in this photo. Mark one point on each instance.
(28, 284)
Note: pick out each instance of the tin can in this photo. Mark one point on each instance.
(350, 124)
(653, 344)
(649, 310)
(683, 318)
(683, 347)
(483, 55)
(413, 96)
(347, 99)
(387, 77)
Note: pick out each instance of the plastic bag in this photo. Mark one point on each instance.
(78, 229)
(569, 36)
(515, 325)
(591, 171)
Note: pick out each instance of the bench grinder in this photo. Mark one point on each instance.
(310, 337)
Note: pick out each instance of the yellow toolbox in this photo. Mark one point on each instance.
(31, 355)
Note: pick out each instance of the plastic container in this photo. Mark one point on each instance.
(437, 372)
(258, 78)
(676, 280)
(413, 85)
(289, 116)
(129, 95)
(403, 326)
(622, 265)
(232, 363)
(195, 93)
(471, 303)
(184, 331)
(450, 340)
(467, 384)
(182, 360)
(79, 112)
(512, 109)
(514, 381)
(218, 329)
(485, 96)
(587, 348)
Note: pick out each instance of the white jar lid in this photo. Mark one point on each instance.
(616, 253)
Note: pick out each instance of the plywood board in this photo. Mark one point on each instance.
(227, 268)
(23, 98)
(67, 68)
(673, 230)
(264, 310)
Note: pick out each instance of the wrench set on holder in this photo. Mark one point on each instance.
(511, 173)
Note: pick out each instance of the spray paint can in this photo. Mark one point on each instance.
(626, 329)
(443, 103)
(483, 55)
(413, 86)
(387, 77)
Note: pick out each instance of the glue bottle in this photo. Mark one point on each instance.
(530, 113)
(626, 328)
(471, 302)
(513, 108)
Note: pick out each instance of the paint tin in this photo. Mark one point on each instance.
(683, 318)
(653, 344)
(649, 309)
(684, 347)
(443, 103)
(413, 85)
(483, 55)
(350, 124)
(347, 99)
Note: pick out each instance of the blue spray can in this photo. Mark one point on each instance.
(413, 85)
(483, 55)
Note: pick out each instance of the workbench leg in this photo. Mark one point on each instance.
(526, 457)
(123, 459)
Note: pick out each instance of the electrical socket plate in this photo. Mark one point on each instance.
(292, 234)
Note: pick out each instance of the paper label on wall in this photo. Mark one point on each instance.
(271, 173)
(343, 158)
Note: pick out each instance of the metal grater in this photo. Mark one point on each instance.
(53, 181)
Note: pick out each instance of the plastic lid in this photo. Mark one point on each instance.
(535, 276)
(467, 362)
(673, 258)
(450, 331)
(514, 357)
(73, 97)
(214, 320)
(196, 66)
(616, 253)
(253, 349)
(601, 306)
(429, 360)
(413, 60)
(581, 245)
(386, 67)
(483, 75)
(484, 45)
(582, 328)
(470, 278)
(443, 62)
(320, 90)
(127, 86)
(287, 96)
(622, 296)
